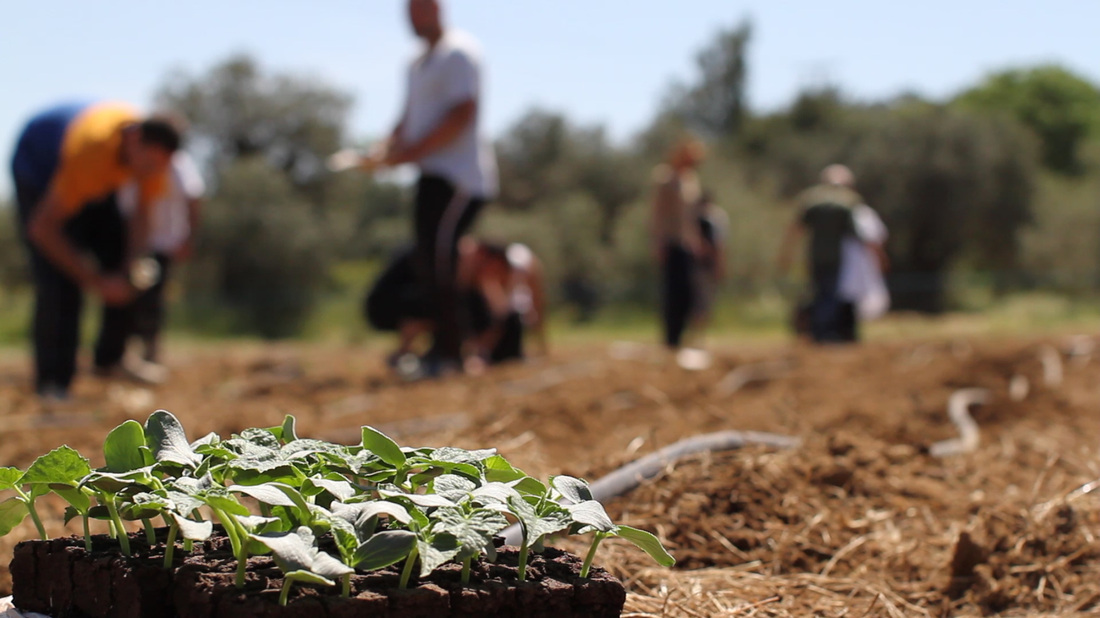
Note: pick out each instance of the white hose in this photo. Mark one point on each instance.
(958, 410)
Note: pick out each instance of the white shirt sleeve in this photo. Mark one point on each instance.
(187, 176)
(869, 226)
(462, 81)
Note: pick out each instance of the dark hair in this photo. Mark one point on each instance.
(160, 131)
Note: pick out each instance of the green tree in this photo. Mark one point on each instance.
(262, 260)
(544, 158)
(1062, 108)
(237, 110)
(715, 104)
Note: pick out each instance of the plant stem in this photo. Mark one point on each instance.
(238, 542)
(150, 533)
(591, 554)
(287, 583)
(406, 573)
(29, 501)
(347, 585)
(523, 560)
(170, 546)
(188, 545)
(87, 535)
(123, 538)
(466, 569)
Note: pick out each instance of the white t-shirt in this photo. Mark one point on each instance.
(438, 80)
(169, 222)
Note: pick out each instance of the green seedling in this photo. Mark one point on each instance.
(382, 504)
(588, 515)
(62, 468)
(297, 555)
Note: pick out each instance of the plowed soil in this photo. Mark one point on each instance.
(859, 520)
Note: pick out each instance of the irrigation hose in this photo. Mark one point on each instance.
(633, 474)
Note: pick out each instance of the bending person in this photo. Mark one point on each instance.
(68, 164)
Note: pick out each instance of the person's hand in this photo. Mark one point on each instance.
(474, 365)
(115, 290)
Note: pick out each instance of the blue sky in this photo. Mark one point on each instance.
(600, 61)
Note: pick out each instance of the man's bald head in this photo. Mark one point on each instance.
(838, 176)
(426, 19)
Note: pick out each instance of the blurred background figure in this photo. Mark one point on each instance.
(501, 288)
(173, 221)
(675, 234)
(710, 270)
(826, 215)
(439, 131)
(502, 285)
(69, 162)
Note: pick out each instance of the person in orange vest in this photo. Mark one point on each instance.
(69, 162)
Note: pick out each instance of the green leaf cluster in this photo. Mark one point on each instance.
(273, 492)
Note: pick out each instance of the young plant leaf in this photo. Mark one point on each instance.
(62, 465)
(165, 436)
(209, 440)
(591, 513)
(438, 550)
(191, 529)
(457, 455)
(473, 530)
(144, 506)
(122, 449)
(340, 489)
(9, 478)
(269, 493)
(536, 525)
(574, 489)
(381, 445)
(77, 499)
(498, 470)
(285, 432)
(260, 437)
(494, 493)
(453, 487)
(421, 500)
(297, 551)
(383, 549)
(12, 513)
(359, 513)
(647, 543)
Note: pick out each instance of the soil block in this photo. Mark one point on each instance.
(60, 578)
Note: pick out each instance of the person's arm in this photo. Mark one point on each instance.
(194, 219)
(45, 230)
(453, 124)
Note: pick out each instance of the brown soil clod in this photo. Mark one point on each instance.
(968, 555)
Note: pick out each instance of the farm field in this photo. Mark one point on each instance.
(860, 520)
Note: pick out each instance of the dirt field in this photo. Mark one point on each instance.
(860, 520)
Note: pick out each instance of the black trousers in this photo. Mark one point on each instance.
(397, 295)
(679, 292)
(443, 214)
(148, 312)
(98, 229)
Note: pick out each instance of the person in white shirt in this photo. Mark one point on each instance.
(439, 132)
(173, 222)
